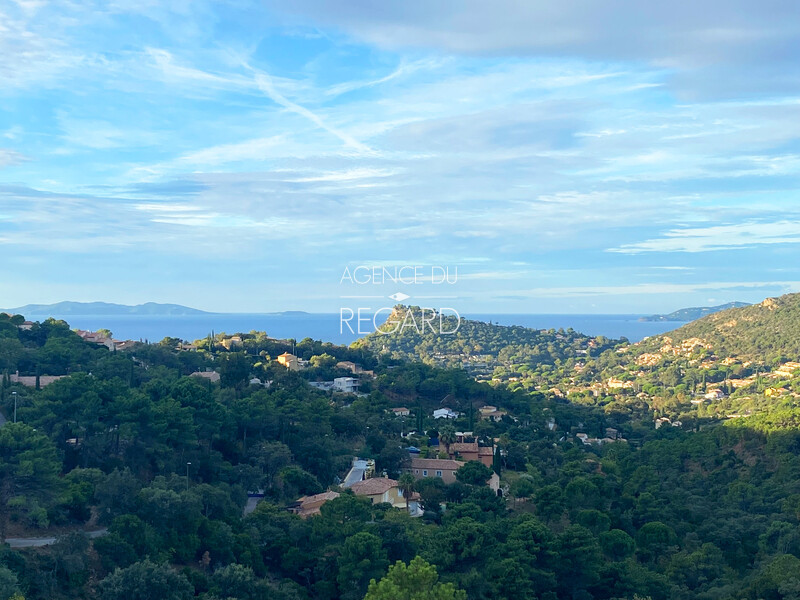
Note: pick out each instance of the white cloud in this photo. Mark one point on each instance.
(718, 237)
(655, 288)
(9, 158)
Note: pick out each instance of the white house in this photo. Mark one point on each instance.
(444, 413)
(345, 384)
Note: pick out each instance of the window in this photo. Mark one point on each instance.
(424, 473)
(438, 473)
(416, 471)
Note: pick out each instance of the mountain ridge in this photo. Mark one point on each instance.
(105, 308)
(685, 315)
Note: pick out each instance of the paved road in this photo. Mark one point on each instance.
(251, 504)
(356, 474)
(37, 542)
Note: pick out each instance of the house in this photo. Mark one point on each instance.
(612, 433)
(401, 412)
(715, 394)
(785, 370)
(26, 326)
(123, 344)
(382, 489)
(307, 506)
(444, 413)
(258, 382)
(354, 368)
(212, 376)
(471, 451)
(662, 421)
(614, 383)
(95, 338)
(30, 380)
(231, 342)
(434, 467)
(495, 416)
(291, 362)
(348, 385)
(461, 436)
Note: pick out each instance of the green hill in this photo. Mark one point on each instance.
(475, 341)
(764, 331)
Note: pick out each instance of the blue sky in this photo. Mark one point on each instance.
(564, 157)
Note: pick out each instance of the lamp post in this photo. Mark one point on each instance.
(15, 405)
(187, 474)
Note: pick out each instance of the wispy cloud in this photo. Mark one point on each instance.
(265, 84)
(718, 237)
(11, 157)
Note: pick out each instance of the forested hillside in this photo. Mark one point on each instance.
(405, 336)
(764, 331)
(159, 464)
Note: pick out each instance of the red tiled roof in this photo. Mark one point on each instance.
(309, 505)
(374, 486)
(464, 447)
(440, 464)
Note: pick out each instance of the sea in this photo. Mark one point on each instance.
(327, 327)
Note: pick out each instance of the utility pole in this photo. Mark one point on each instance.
(15, 405)
(188, 464)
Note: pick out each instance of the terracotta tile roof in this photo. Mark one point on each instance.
(374, 486)
(464, 447)
(485, 451)
(436, 464)
(310, 505)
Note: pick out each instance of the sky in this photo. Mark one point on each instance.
(569, 157)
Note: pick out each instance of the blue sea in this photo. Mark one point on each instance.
(326, 327)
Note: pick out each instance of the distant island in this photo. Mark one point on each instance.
(104, 308)
(152, 309)
(691, 314)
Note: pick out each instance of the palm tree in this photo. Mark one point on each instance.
(406, 484)
(447, 435)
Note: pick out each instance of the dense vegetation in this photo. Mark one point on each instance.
(406, 335)
(761, 331)
(164, 461)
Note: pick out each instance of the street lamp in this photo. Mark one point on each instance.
(187, 474)
(15, 405)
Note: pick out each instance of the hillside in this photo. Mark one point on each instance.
(764, 331)
(597, 501)
(103, 308)
(476, 345)
(694, 313)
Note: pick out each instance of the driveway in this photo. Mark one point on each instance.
(36, 542)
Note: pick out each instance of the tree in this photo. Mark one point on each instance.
(616, 544)
(447, 435)
(9, 590)
(416, 581)
(474, 473)
(146, 581)
(29, 467)
(406, 483)
(363, 558)
(523, 488)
